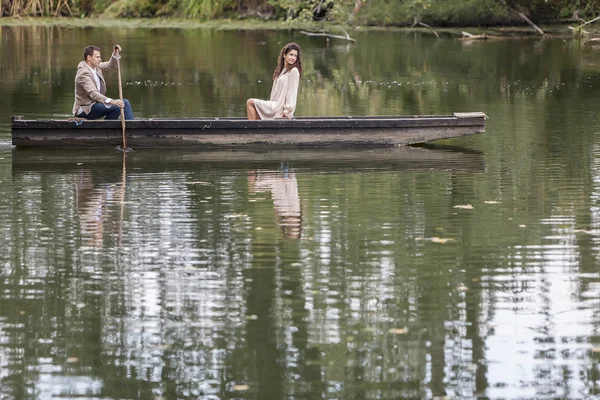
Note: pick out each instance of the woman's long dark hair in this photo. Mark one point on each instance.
(281, 60)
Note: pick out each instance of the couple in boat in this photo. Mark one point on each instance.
(91, 101)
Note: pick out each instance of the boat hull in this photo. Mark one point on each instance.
(236, 132)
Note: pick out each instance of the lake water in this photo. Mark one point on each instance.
(469, 269)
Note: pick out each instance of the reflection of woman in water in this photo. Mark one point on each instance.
(286, 199)
(286, 77)
(92, 208)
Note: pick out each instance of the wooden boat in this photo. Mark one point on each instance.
(234, 132)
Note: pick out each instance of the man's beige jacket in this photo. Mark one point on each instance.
(86, 91)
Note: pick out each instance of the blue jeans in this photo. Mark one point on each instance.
(99, 110)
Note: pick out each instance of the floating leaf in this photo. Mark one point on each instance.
(398, 331)
(252, 317)
(464, 206)
(241, 388)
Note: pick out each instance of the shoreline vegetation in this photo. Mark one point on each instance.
(487, 19)
(331, 29)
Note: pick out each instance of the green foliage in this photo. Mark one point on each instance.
(370, 12)
(341, 11)
(197, 9)
(586, 9)
(131, 9)
(549, 11)
(91, 7)
(466, 12)
(436, 12)
(205, 9)
(294, 9)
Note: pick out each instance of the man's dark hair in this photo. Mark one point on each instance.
(89, 51)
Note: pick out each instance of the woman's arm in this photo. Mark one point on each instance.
(289, 104)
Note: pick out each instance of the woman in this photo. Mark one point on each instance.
(285, 87)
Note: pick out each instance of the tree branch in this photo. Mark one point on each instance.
(541, 32)
(588, 22)
(468, 36)
(347, 37)
(430, 28)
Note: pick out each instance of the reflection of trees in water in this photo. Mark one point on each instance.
(198, 77)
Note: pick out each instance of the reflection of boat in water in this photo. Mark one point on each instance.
(102, 181)
(286, 200)
(400, 158)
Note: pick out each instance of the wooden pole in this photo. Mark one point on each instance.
(122, 199)
(122, 108)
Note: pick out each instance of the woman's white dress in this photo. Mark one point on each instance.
(283, 96)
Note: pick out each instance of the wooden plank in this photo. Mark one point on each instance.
(246, 125)
(217, 132)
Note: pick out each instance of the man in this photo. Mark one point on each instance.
(90, 88)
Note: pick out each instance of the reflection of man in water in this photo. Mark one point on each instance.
(286, 200)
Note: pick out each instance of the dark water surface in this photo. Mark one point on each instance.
(468, 270)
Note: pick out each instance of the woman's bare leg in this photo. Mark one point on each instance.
(251, 110)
